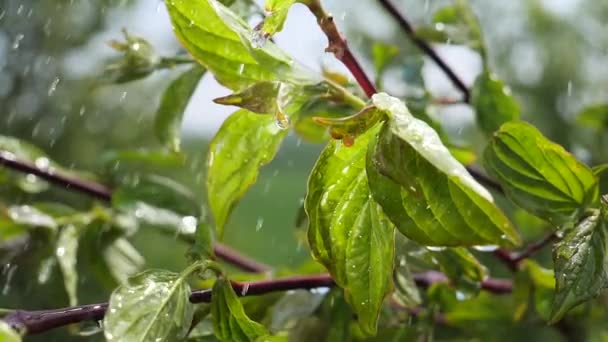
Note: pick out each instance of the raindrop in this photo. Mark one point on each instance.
(282, 121)
(569, 88)
(259, 224)
(486, 248)
(435, 248)
(241, 69)
(245, 289)
(123, 96)
(53, 86)
(42, 162)
(17, 41)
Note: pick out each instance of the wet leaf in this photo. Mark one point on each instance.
(539, 175)
(276, 14)
(157, 191)
(8, 334)
(493, 103)
(581, 265)
(222, 42)
(66, 251)
(152, 306)
(164, 220)
(168, 118)
(341, 315)
(426, 193)
(245, 142)
(230, 322)
(348, 231)
(405, 286)
(30, 216)
(460, 266)
(293, 306)
(122, 259)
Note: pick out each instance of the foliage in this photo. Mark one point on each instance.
(401, 225)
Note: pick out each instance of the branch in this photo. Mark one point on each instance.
(338, 46)
(513, 259)
(34, 322)
(103, 193)
(426, 48)
(98, 191)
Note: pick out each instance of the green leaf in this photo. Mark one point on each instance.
(406, 290)
(122, 259)
(230, 322)
(426, 193)
(168, 119)
(157, 191)
(348, 232)
(340, 317)
(30, 216)
(164, 220)
(293, 306)
(595, 116)
(276, 14)
(66, 251)
(539, 175)
(8, 334)
(581, 265)
(460, 265)
(245, 142)
(222, 42)
(493, 103)
(152, 306)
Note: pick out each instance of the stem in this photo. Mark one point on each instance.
(513, 259)
(98, 191)
(34, 322)
(426, 48)
(338, 46)
(103, 193)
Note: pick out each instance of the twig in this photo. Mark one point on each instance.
(339, 47)
(104, 193)
(245, 263)
(513, 259)
(98, 191)
(426, 48)
(34, 322)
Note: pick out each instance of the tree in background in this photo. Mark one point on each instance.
(397, 209)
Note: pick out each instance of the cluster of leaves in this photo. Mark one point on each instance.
(387, 197)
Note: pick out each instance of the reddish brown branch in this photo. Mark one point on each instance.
(426, 48)
(98, 191)
(34, 322)
(513, 259)
(103, 193)
(339, 47)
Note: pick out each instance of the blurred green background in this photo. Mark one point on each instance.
(52, 93)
